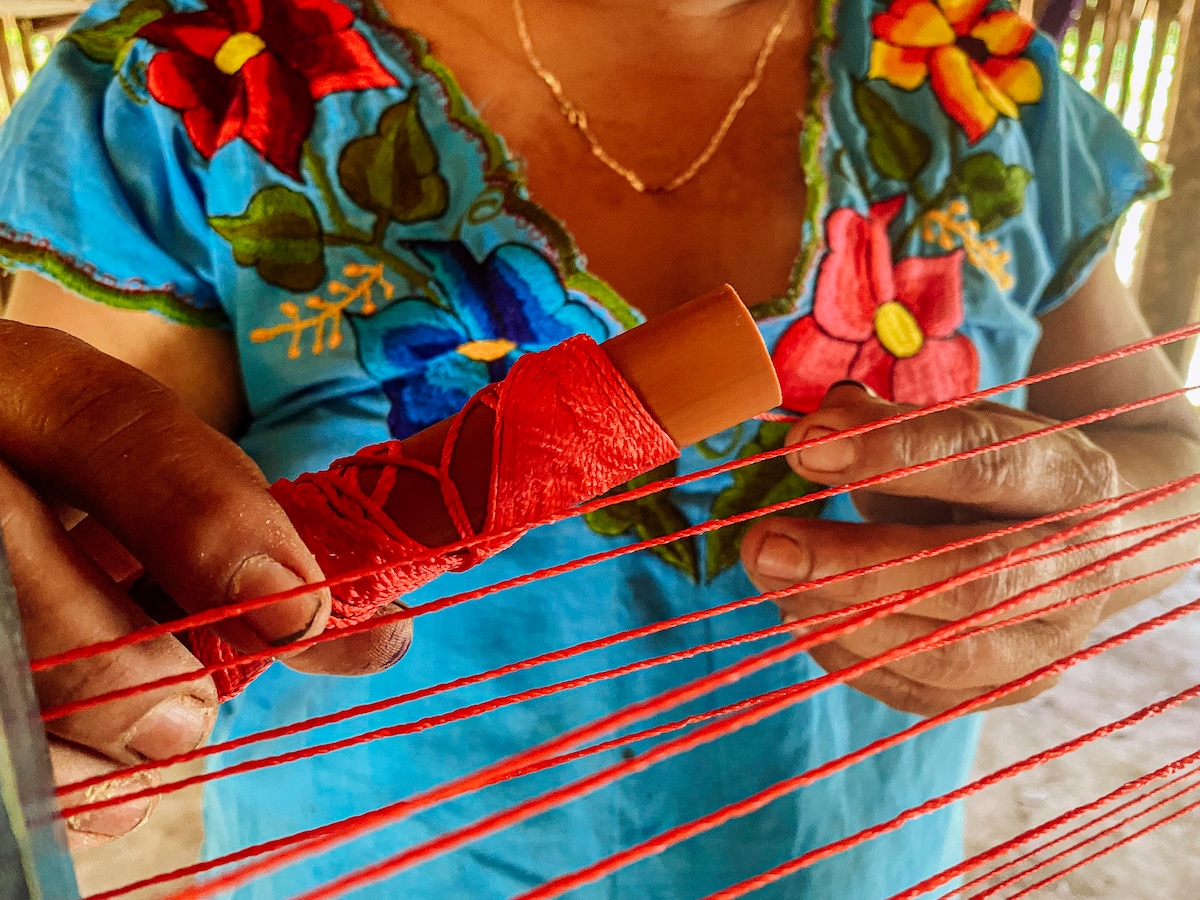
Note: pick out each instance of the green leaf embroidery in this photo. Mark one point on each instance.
(394, 172)
(280, 236)
(754, 487)
(712, 452)
(995, 191)
(899, 149)
(109, 41)
(650, 517)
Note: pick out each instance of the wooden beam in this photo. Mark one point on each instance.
(6, 65)
(36, 9)
(1170, 283)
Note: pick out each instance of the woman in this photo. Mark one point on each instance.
(304, 201)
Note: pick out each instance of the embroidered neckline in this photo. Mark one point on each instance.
(501, 166)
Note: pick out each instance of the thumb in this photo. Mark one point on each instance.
(185, 500)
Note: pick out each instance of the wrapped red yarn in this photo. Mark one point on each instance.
(567, 427)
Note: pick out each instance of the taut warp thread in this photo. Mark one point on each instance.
(566, 428)
(288, 848)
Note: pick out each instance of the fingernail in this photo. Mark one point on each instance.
(284, 621)
(121, 819)
(850, 382)
(174, 726)
(781, 557)
(835, 456)
(401, 634)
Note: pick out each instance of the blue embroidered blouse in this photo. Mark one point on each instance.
(307, 176)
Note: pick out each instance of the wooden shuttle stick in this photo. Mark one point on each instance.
(566, 425)
(698, 369)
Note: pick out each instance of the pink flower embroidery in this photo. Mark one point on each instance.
(892, 327)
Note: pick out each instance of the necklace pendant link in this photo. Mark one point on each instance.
(578, 119)
(575, 116)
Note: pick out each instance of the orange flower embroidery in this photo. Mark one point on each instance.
(973, 61)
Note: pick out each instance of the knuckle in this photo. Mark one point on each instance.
(992, 469)
(1054, 637)
(104, 400)
(1099, 475)
(1012, 581)
(909, 697)
(945, 666)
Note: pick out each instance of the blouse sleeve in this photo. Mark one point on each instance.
(1089, 171)
(99, 190)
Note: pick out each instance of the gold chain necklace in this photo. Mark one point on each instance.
(577, 118)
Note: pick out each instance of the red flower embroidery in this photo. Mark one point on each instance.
(253, 69)
(890, 327)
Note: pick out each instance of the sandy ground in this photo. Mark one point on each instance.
(1161, 866)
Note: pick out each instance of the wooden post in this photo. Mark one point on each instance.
(34, 864)
(26, 29)
(6, 65)
(1170, 283)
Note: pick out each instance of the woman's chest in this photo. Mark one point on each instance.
(737, 221)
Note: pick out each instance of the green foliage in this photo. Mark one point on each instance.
(899, 149)
(650, 517)
(280, 236)
(109, 41)
(994, 191)
(393, 173)
(754, 487)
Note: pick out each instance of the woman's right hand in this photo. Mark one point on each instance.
(81, 431)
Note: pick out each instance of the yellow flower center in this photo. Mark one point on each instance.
(487, 351)
(898, 330)
(238, 50)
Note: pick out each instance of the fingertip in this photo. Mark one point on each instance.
(823, 455)
(397, 643)
(752, 542)
(361, 653)
(840, 389)
(173, 726)
(102, 826)
(774, 553)
(286, 620)
(90, 828)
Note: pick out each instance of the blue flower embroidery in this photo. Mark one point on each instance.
(430, 361)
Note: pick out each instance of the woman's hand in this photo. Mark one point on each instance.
(939, 506)
(81, 431)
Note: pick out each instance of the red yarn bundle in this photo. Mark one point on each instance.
(567, 428)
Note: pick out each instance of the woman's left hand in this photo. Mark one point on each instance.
(941, 505)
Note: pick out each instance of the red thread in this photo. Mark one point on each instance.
(226, 611)
(578, 649)
(660, 730)
(743, 462)
(65, 709)
(559, 687)
(1109, 849)
(816, 855)
(1061, 665)
(1032, 834)
(340, 832)
(567, 428)
(1095, 838)
(657, 844)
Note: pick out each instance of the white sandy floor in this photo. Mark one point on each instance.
(1161, 866)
